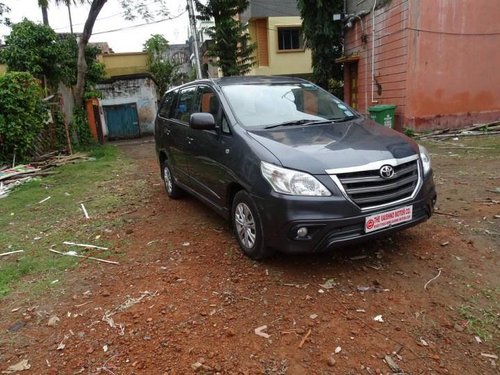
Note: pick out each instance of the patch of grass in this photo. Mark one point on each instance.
(480, 321)
(35, 227)
(409, 132)
(482, 313)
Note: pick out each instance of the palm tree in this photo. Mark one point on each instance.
(44, 4)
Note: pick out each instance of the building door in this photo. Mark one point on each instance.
(122, 121)
(353, 84)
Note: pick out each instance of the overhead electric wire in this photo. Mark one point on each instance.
(140, 25)
(122, 13)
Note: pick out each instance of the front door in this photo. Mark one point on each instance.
(122, 121)
(180, 141)
(210, 149)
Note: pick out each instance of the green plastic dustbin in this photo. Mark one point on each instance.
(383, 114)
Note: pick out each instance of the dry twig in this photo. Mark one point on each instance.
(434, 278)
(83, 256)
(305, 338)
(11, 252)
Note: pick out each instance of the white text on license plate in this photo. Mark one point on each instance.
(388, 218)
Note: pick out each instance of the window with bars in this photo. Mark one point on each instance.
(290, 38)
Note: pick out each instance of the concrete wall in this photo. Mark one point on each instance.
(453, 65)
(280, 62)
(119, 64)
(141, 91)
(437, 60)
(67, 101)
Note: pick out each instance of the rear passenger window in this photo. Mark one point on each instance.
(185, 104)
(166, 105)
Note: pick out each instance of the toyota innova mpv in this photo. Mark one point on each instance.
(294, 168)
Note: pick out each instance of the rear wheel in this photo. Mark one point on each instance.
(248, 226)
(171, 187)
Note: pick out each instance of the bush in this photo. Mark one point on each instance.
(22, 114)
(80, 127)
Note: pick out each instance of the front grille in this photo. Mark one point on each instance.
(368, 189)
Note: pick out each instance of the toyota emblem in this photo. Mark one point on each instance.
(386, 171)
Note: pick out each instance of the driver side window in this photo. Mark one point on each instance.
(208, 102)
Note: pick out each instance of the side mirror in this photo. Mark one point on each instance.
(202, 121)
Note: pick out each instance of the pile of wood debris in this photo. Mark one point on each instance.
(20, 174)
(490, 128)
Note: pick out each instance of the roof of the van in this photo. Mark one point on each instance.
(243, 80)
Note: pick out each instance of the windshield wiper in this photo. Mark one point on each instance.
(298, 122)
(344, 119)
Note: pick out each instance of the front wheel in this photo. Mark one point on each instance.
(248, 226)
(171, 187)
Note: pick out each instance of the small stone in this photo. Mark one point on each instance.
(53, 321)
(458, 327)
(338, 349)
(331, 361)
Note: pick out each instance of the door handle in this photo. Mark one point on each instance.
(190, 139)
(166, 131)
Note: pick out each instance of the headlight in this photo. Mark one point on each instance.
(288, 181)
(426, 159)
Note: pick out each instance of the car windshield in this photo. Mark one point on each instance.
(273, 105)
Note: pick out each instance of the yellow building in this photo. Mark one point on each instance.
(276, 28)
(122, 64)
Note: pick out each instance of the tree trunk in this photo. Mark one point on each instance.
(45, 16)
(95, 8)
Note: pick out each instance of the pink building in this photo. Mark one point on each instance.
(437, 60)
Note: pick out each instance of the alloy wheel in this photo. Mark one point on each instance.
(167, 178)
(245, 225)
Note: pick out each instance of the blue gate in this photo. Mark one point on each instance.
(122, 121)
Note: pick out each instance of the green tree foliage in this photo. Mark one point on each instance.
(163, 71)
(68, 54)
(22, 114)
(37, 49)
(323, 37)
(4, 9)
(32, 48)
(231, 42)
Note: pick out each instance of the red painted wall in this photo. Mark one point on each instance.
(454, 63)
(437, 60)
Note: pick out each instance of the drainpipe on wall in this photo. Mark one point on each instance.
(373, 52)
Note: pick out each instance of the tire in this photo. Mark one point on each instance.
(247, 226)
(171, 187)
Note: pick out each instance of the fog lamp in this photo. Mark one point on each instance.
(302, 232)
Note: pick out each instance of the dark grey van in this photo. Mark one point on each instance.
(293, 167)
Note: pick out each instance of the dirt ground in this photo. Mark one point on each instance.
(184, 299)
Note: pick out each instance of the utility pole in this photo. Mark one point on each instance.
(192, 21)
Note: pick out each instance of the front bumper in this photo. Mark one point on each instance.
(331, 221)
